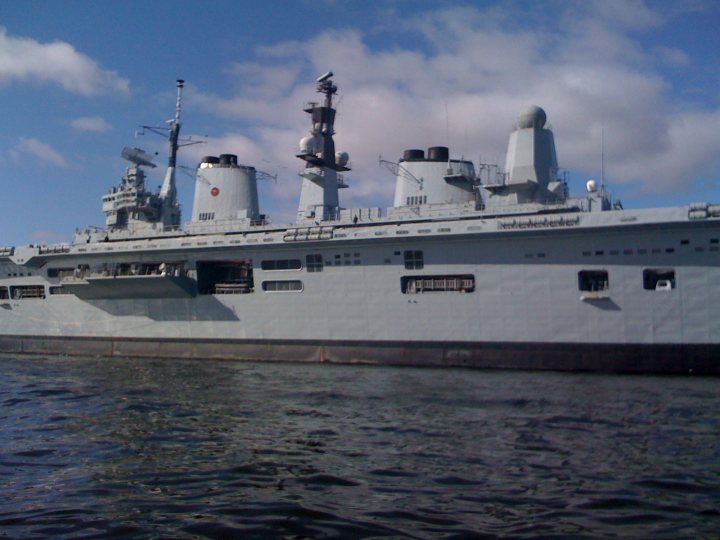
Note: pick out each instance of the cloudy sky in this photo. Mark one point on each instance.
(77, 78)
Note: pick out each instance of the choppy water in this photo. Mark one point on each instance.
(185, 449)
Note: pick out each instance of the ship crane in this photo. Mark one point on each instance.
(262, 175)
(192, 173)
(398, 170)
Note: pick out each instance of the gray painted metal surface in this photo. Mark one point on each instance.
(548, 283)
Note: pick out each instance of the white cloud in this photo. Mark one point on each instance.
(620, 14)
(688, 138)
(477, 71)
(672, 57)
(91, 123)
(258, 80)
(32, 147)
(24, 59)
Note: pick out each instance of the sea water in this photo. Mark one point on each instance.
(93, 448)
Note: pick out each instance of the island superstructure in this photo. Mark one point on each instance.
(478, 268)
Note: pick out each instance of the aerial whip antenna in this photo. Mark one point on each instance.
(602, 154)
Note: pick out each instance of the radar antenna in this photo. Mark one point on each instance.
(323, 78)
(327, 87)
(138, 157)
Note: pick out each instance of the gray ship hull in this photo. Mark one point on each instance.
(506, 271)
(595, 357)
(526, 308)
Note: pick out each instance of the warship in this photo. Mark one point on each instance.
(474, 267)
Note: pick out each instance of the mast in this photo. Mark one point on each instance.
(319, 195)
(168, 193)
(326, 119)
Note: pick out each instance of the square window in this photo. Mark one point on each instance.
(414, 260)
(314, 262)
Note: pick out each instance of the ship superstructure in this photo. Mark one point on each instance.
(131, 209)
(471, 266)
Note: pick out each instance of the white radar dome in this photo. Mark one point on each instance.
(308, 145)
(341, 158)
(534, 116)
(591, 186)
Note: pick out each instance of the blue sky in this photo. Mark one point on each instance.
(77, 78)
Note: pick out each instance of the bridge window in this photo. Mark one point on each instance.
(4, 295)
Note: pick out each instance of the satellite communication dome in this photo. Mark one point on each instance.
(591, 186)
(308, 145)
(341, 158)
(534, 116)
